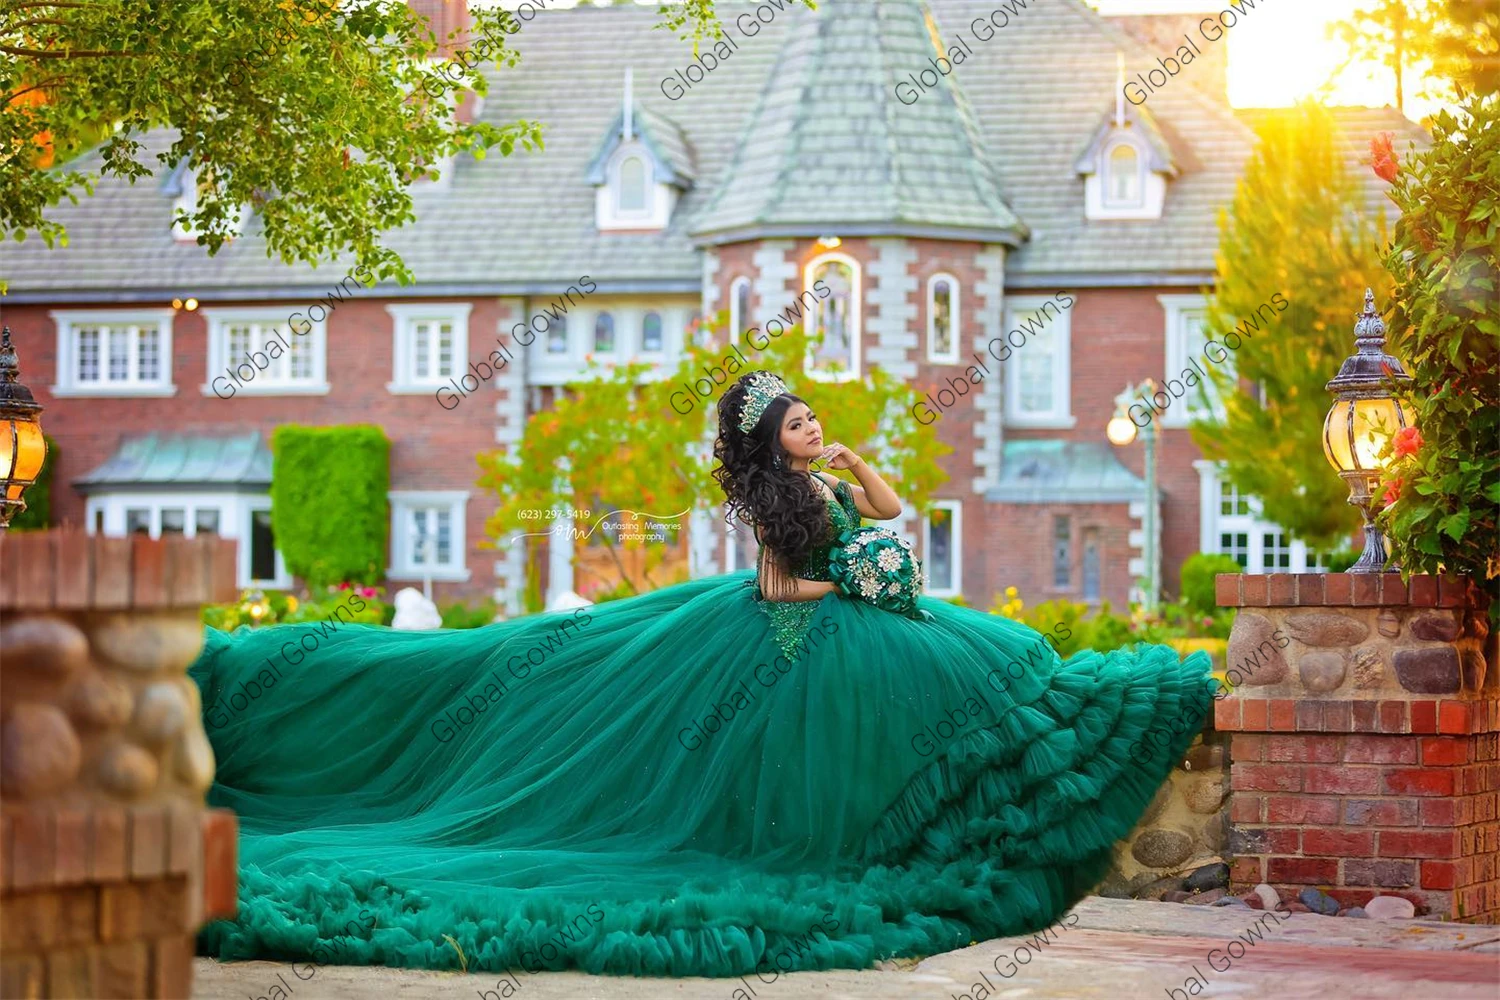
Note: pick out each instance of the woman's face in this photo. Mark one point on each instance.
(801, 434)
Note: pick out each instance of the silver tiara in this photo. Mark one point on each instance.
(761, 389)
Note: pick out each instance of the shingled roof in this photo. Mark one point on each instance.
(800, 128)
(831, 147)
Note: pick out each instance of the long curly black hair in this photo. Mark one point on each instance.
(762, 489)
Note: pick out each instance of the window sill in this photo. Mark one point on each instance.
(1041, 423)
(451, 574)
(118, 391)
(419, 389)
(251, 389)
(942, 359)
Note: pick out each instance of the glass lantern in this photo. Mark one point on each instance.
(22, 447)
(1359, 426)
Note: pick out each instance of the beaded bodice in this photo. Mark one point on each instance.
(790, 619)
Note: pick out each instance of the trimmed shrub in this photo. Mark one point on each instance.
(328, 502)
(1198, 572)
(38, 496)
(460, 615)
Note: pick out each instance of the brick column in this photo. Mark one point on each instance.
(1364, 755)
(109, 861)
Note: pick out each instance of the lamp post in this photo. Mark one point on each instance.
(1121, 431)
(1361, 421)
(22, 447)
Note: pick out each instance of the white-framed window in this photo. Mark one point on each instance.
(651, 333)
(1038, 371)
(1124, 183)
(1119, 179)
(1185, 342)
(427, 535)
(631, 196)
(123, 352)
(430, 346)
(942, 319)
(555, 341)
(186, 205)
(258, 352)
(604, 333)
(1232, 524)
(739, 547)
(243, 517)
(1093, 565)
(942, 548)
(739, 308)
(834, 327)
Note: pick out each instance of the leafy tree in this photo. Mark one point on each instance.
(1456, 41)
(1295, 229)
(1444, 486)
(316, 114)
(626, 440)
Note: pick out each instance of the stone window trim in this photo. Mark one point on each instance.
(405, 317)
(955, 547)
(955, 314)
(810, 274)
(221, 318)
(72, 322)
(402, 557)
(1060, 327)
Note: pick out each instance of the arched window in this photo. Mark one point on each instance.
(632, 191)
(831, 296)
(604, 334)
(739, 308)
(942, 319)
(651, 333)
(1122, 181)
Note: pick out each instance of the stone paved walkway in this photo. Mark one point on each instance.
(1117, 950)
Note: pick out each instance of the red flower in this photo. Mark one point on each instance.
(1393, 490)
(1383, 158)
(1408, 440)
(366, 591)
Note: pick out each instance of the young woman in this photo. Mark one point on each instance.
(747, 774)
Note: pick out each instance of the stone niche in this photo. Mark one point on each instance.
(109, 860)
(1365, 717)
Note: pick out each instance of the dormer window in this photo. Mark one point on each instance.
(189, 185)
(1122, 184)
(1126, 166)
(643, 165)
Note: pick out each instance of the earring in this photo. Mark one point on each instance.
(776, 459)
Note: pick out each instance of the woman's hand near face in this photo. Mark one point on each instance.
(839, 458)
(872, 496)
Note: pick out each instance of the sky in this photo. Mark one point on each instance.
(1280, 52)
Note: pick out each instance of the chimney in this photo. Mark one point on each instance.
(1161, 34)
(447, 18)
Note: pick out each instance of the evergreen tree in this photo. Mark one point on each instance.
(1295, 229)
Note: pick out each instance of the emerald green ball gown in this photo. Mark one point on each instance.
(692, 782)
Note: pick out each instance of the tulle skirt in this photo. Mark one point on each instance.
(651, 787)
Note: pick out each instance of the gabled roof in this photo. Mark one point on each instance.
(830, 146)
(182, 461)
(999, 135)
(671, 153)
(1138, 121)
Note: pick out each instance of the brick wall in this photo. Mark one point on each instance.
(431, 448)
(109, 861)
(1366, 751)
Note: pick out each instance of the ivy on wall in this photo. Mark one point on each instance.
(38, 496)
(329, 506)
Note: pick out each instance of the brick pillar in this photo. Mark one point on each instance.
(109, 861)
(1365, 727)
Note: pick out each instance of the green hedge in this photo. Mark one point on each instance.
(329, 507)
(1198, 572)
(38, 496)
